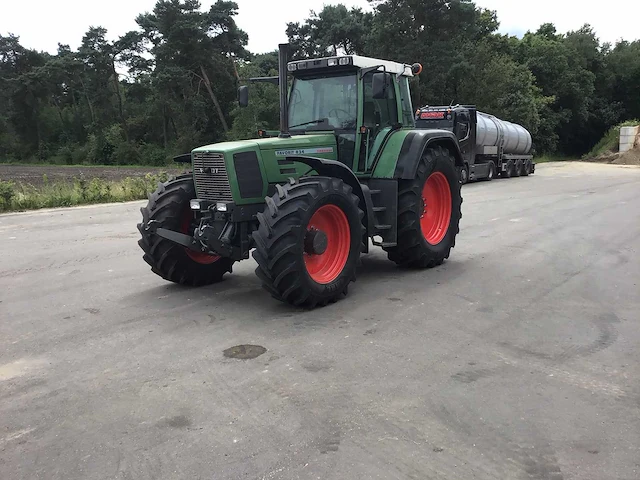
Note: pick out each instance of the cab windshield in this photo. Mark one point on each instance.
(324, 102)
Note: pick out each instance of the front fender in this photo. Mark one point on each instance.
(414, 145)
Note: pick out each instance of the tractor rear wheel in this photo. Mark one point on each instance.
(429, 212)
(309, 241)
(169, 207)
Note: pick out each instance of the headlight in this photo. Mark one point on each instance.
(221, 207)
(194, 204)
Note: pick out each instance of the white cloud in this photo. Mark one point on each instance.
(41, 24)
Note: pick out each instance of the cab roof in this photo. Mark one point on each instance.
(346, 61)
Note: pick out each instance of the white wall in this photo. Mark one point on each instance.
(628, 138)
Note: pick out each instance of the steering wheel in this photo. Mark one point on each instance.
(346, 114)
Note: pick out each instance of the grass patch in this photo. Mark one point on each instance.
(168, 166)
(18, 197)
(611, 140)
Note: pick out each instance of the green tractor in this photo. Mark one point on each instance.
(347, 165)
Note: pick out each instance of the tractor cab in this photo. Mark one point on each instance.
(360, 100)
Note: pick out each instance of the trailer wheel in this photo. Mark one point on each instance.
(309, 241)
(508, 171)
(169, 207)
(492, 171)
(518, 168)
(429, 212)
(464, 174)
(526, 171)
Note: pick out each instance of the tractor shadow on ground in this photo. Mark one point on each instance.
(376, 269)
(241, 296)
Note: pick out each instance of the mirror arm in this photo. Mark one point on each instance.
(364, 71)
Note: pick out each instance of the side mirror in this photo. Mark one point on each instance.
(379, 84)
(243, 96)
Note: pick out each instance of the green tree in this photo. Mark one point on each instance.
(194, 53)
(335, 30)
(264, 104)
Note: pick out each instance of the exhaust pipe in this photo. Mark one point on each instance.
(282, 81)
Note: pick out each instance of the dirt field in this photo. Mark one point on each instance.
(33, 174)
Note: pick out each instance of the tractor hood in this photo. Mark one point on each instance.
(253, 167)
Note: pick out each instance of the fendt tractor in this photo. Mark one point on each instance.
(347, 165)
(489, 146)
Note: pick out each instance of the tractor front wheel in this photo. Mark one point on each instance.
(169, 207)
(429, 212)
(309, 241)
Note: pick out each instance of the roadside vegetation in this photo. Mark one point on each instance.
(16, 196)
(610, 142)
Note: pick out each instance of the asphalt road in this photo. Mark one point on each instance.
(516, 359)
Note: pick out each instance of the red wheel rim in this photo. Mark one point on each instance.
(198, 257)
(436, 214)
(326, 267)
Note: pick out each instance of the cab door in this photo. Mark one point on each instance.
(379, 117)
(466, 137)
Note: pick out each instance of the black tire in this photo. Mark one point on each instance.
(526, 171)
(492, 172)
(280, 241)
(412, 249)
(518, 168)
(464, 174)
(169, 206)
(508, 171)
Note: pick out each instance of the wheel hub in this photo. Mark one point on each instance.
(315, 242)
(327, 244)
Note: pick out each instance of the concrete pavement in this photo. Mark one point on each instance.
(516, 359)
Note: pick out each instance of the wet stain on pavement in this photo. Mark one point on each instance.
(179, 421)
(472, 375)
(244, 352)
(485, 309)
(318, 366)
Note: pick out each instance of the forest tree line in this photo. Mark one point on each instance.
(170, 85)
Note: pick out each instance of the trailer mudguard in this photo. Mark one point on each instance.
(414, 145)
(184, 158)
(333, 168)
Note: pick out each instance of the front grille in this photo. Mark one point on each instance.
(210, 175)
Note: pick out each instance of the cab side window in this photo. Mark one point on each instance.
(462, 126)
(382, 113)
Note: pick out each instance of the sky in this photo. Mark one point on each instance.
(42, 24)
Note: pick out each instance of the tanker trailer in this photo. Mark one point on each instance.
(489, 146)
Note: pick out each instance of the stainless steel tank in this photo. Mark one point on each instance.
(490, 131)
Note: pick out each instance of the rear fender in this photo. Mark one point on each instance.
(414, 146)
(333, 168)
